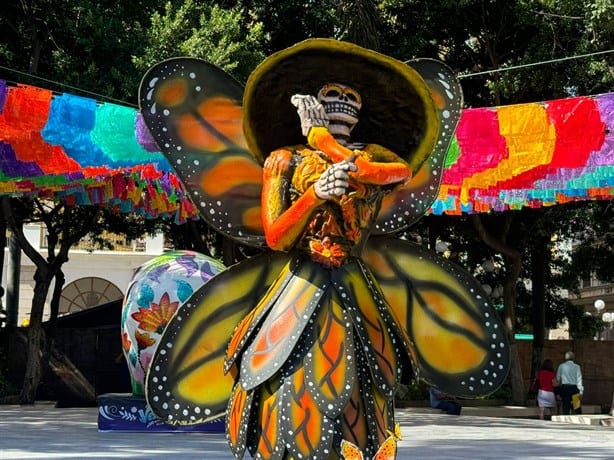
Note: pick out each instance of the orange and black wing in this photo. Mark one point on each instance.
(366, 307)
(330, 371)
(239, 409)
(186, 383)
(298, 294)
(265, 438)
(353, 424)
(453, 333)
(193, 111)
(350, 451)
(408, 202)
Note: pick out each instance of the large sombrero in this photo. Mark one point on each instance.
(397, 110)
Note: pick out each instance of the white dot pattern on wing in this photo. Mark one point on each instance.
(186, 163)
(412, 205)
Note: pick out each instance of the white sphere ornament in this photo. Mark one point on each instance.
(599, 304)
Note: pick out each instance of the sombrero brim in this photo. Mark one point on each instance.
(397, 112)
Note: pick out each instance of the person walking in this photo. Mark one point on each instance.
(569, 375)
(545, 390)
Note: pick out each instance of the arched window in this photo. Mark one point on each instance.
(87, 292)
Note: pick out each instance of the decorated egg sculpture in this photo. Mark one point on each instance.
(156, 292)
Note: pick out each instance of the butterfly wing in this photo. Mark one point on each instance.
(193, 111)
(186, 383)
(455, 337)
(388, 450)
(350, 451)
(408, 202)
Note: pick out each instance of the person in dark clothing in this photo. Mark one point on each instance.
(444, 401)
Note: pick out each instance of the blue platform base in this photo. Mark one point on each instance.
(125, 412)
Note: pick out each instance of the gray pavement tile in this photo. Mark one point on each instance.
(45, 432)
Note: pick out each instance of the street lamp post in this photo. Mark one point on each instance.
(599, 306)
(608, 318)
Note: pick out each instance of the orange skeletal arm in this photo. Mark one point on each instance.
(389, 171)
(283, 222)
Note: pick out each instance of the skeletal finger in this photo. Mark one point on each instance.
(340, 174)
(340, 183)
(296, 100)
(349, 166)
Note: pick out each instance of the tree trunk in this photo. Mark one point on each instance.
(539, 265)
(36, 337)
(198, 243)
(513, 262)
(3, 242)
(519, 396)
(513, 265)
(59, 221)
(54, 308)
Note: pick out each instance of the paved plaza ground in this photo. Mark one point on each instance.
(45, 432)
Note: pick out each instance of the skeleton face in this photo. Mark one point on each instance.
(342, 104)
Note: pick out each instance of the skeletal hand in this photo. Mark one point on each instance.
(310, 111)
(335, 180)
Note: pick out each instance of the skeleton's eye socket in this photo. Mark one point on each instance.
(332, 92)
(352, 95)
(336, 91)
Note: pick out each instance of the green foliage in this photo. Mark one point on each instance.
(594, 251)
(75, 45)
(418, 390)
(67, 225)
(104, 47)
(361, 23)
(531, 230)
(475, 36)
(503, 393)
(229, 38)
(562, 29)
(581, 325)
(288, 22)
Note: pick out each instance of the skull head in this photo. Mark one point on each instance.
(342, 104)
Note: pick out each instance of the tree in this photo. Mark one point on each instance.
(65, 226)
(226, 37)
(78, 46)
(291, 21)
(361, 22)
(477, 36)
(474, 36)
(593, 235)
(589, 228)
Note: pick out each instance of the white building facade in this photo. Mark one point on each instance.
(92, 277)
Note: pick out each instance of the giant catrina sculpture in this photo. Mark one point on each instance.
(301, 348)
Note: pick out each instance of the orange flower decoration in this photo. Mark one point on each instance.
(126, 343)
(143, 340)
(327, 253)
(155, 318)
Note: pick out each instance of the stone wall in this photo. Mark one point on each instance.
(595, 357)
